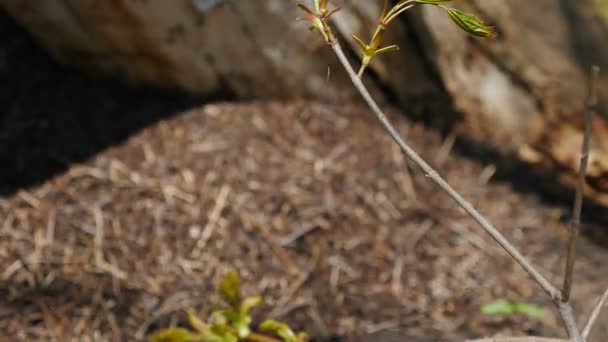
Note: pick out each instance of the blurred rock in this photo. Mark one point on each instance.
(526, 90)
(246, 48)
(521, 94)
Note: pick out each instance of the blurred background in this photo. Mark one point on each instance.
(148, 147)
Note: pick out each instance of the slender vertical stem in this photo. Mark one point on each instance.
(577, 208)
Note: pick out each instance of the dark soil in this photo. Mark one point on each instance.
(120, 210)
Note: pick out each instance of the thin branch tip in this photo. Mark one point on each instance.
(595, 313)
(577, 207)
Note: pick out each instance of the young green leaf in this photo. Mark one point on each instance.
(230, 289)
(196, 323)
(176, 335)
(249, 302)
(280, 329)
(529, 310)
(359, 42)
(239, 321)
(470, 23)
(387, 49)
(499, 307)
(220, 333)
(503, 307)
(229, 325)
(218, 317)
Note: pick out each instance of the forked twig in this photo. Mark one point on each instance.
(577, 208)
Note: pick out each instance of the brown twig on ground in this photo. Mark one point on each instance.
(577, 208)
(212, 221)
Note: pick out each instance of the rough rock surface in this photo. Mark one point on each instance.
(249, 48)
(521, 94)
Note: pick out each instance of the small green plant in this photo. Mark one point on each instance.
(503, 307)
(318, 18)
(231, 324)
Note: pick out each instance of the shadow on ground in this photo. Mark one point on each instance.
(52, 117)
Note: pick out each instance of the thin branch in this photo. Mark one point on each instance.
(554, 293)
(577, 208)
(595, 314)
(565, 311)
(551, 290)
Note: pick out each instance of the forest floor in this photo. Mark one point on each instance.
(311, 203)
(120, 208)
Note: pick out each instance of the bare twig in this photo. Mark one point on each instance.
(298, 234)
(580, 190)
(551, 290)
(595, 314)
(291, 291)
(214, 216)
(554, 293)
(100, 261)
